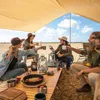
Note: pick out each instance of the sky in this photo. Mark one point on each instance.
(81, 28)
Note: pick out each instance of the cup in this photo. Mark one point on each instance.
(40, 96)
(11, 83)
(42, 89)
(63, 47)
(37, 43)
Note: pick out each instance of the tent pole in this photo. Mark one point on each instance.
(70, 28)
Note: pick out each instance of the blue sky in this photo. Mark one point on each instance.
(81, 28)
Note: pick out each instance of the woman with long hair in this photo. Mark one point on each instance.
(28, 43)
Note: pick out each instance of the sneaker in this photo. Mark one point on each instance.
(85, 88)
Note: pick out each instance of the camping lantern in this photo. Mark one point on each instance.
(51, 59)
(42, 64)
(34, 66)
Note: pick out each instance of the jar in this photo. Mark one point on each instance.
(34, 66)
(42, 89)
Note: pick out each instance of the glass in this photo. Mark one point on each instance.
(42, 64)
(23, 59)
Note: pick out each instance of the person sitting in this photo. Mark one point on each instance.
(62, 54)
(11, 65)
(94, 77)
(91, 64)
(28, 44)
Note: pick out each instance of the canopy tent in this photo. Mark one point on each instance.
(30, 15)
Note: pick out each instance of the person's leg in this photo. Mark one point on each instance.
(69, 62)
(75, 68)
(94, 79)
(21, 65)
(85, 87)
(13, 73)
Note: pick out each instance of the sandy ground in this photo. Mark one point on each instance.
(4, 47)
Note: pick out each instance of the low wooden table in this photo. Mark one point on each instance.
(51, 84)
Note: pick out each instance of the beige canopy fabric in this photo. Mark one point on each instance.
(30, 15)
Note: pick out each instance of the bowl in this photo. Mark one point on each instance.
(33, 79)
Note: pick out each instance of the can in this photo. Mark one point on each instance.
(42, 89)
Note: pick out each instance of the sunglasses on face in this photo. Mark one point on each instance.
(93, 38)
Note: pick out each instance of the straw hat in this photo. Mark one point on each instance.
(63, 38)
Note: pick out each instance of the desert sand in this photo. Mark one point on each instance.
(4, 47)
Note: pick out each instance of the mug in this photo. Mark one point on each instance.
(40, 96)
(63, 47)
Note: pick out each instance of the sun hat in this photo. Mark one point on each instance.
(16, 41)
(63, 38)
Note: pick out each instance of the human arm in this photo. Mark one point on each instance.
(74, 49)
(83, 52)
(12, 50)
(34, 44)
(86, 71)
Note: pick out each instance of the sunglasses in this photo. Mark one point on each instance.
(93, 38)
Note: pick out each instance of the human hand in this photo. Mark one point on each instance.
(79, 74)
(60, 55)
(12, 49)
(37, 43)
(68, 47)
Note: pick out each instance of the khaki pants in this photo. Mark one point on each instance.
(77, 67)
(94, 79)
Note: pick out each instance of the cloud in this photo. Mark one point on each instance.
(86, 29)
(75, 15)
(47, 34)
(73, 34)
(7, 35)
(66, 23)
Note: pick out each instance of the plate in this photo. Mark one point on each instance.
(32, 79)
(35, 86)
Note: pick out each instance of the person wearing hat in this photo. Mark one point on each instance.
(94, 77)
(10, 65)
(28, 44)
(89, 68)
(63, 54)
